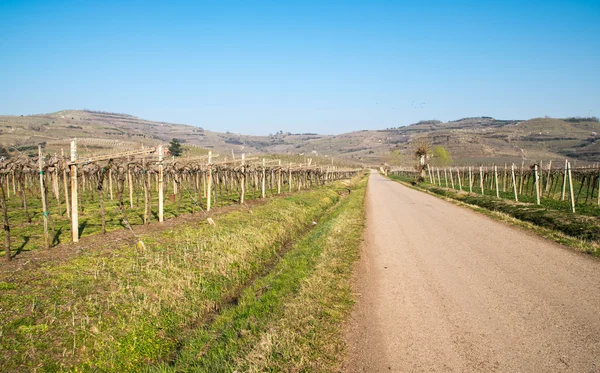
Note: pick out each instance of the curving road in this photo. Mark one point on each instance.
(445, 289)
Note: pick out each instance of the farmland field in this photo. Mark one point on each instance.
(207, 297)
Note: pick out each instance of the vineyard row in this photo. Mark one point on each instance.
(119, 180)
(577, 185)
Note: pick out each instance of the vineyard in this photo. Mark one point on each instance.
(560, 200)
(44, 198)
(536, 183)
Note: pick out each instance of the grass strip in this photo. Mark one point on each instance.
(288, 320)
(128, 308)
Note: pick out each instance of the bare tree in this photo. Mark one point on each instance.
(421, 147)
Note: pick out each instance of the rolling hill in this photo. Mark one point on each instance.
(469, 140)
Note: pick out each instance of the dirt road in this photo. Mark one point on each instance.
(445, 289)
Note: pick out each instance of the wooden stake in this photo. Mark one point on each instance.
(74, 197)
(3, 206)
(145, 181)
(45, 211)
(262, 186)
(290, 178)
(279, 177)
(14, 185)
(522, 177)
(209, 181)
(243, 180)
(458, 177)
(65, 182)
(470, 180)
(548, 178)
(110, 184)
(599, 187)
(446, 176)
(429, 172)
(514, 182)
(571, 187)
(130, 185)
(504, 179)
(161, 202)
(564, 188)
(481, 179)
(496, 177)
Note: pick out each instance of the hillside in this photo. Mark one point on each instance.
(470, 140)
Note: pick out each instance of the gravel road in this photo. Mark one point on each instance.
(445, 289)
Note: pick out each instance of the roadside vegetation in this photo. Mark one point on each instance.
(262, 289)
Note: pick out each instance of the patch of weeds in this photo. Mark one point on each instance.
(6, 285)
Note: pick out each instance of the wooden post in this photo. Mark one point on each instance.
(65, 183)
(130, 185)
(14, 185)
(209, 181)
(438, 175)
(514, 182)
(290, 178)
(481, 179)
(243, 179)
(459, 181)
(571, 187)
(145, 181)
(262, 185)
(279, 177)
(446, 176)
(564, 188)
(522, 177)
(470, 179)
(110, 184)
(599, 187)
(55, 186)
(429, 172)
(536, 178)
(74, 197)
(45, 211)
(504, 179)
(496, 177)
(161, 202)
(548, 178)
(4, 208)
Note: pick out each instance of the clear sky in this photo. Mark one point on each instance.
(301, 66)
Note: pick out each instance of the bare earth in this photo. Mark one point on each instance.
(444, 289)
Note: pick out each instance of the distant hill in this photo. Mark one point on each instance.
(469, 140)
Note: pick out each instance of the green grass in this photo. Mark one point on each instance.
(126, 308)
(288, 320)
(30, 236)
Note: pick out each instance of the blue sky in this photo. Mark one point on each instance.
(301, 66)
